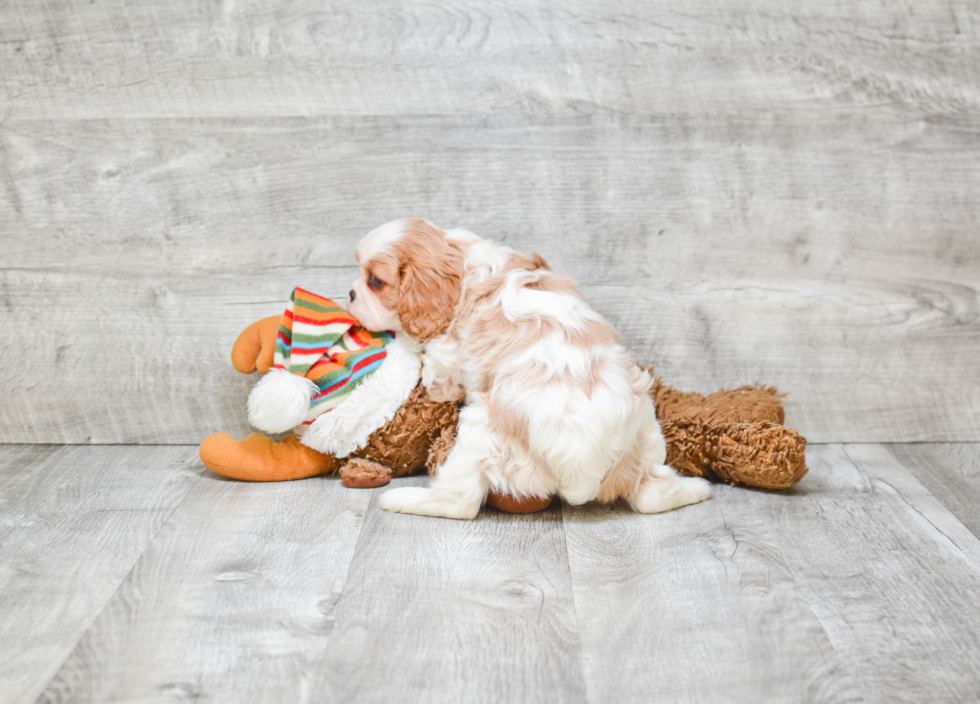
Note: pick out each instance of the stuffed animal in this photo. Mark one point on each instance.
(418, 432)
(735, 436)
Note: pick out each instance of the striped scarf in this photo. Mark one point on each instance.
(323, 342)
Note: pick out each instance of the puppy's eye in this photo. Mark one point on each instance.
(375, 282)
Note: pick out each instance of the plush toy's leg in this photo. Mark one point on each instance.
(763, 455)
(746, 404)
(509, 504)
(360, 473)
(258, 458)
(256, 346)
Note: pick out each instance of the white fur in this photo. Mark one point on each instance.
(280, 401)
(369, 406)
(365, 306)
(461, 492)
(587, 411)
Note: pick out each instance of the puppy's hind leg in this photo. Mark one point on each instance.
(662, 489)
(460, 486)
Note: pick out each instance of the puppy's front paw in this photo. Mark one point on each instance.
(670, 492)
(697, 488)
(426, 502)
(404, 500)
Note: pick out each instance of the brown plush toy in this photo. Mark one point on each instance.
(735, 436)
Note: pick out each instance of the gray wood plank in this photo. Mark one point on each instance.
(73, 522)
(889, 571)
(456, 611)
(951, 472)
(829, 255)
(17, 460)
(308, 57)
(696, 605)
(853, 586)
(233, 602)
(850, 586)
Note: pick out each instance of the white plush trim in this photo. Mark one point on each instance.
(280, 401)
(372, 404)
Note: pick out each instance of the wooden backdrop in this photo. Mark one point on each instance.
(769, 190)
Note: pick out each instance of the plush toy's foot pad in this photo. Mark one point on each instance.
(801, 468)
(359, 473)
(258, 458)
(510, 504)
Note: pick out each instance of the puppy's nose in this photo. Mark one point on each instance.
(352, 295)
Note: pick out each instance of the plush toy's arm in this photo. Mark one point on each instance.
(372, 404)
(256, 346)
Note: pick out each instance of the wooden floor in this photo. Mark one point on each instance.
(132, 574)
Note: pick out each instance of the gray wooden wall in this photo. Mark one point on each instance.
(771, 190)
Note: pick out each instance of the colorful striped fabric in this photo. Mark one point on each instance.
(323, 342)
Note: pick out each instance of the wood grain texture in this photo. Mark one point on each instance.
(696, 605)
(73, 522)
(833, 256)
(889, 571)
(951, 471)
(130, 574)
(17, 459)
(849, 587)
(250, 58)
(456, 611)
(234, 601)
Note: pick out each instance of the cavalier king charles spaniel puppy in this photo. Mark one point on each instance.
(553, 404)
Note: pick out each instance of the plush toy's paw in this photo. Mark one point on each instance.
(764, 455)
(360, 473)
(509, 504)
(258, 458)
(666, 490)
(280, 401)
(256, 346)
(424, 502)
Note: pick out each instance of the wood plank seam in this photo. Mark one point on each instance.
(96, 614)
(575, 610)
(966, 545)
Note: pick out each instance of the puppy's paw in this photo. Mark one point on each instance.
(404, 500)
(424, 502)
(656, 495)
(695, 489)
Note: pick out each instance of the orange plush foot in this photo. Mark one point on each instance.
(258, 458)
(505, 502)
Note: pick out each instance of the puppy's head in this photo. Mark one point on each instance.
(411, 278)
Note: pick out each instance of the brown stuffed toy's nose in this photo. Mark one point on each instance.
(352, 295)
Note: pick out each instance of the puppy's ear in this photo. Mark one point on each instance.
(431, 280)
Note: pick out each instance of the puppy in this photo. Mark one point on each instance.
(553, 403)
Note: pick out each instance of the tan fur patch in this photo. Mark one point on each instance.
(507, 423)
(423, 275)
